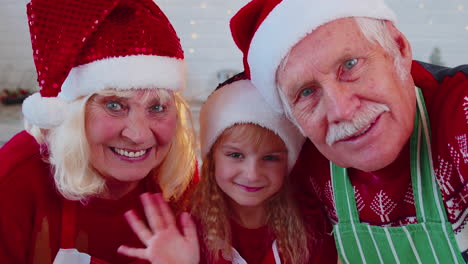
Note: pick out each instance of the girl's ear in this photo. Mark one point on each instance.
(404, 46)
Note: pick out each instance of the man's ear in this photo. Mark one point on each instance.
(404, 46)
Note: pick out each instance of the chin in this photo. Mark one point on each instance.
(373, 164)
(129, 177)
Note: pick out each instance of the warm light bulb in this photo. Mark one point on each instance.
(229, 11)
(421, 5)
(191, 50)
(203, 5)
(193, 22)
(194, 35)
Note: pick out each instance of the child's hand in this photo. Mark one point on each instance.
(163, 240)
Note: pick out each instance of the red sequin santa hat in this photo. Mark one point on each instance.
(266, 30)
(84, 46)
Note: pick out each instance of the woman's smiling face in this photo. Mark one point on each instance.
(130, 135)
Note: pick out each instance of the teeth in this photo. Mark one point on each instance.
(130, 154)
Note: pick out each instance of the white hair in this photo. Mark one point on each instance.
(376, 30)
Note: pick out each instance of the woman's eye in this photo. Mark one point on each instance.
(157, 108)
(306, 92)
(349, 64)
(114, 106)
(235, 155)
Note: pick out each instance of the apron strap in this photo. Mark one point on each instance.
(67, 239)
(343, 194)
(427, 196)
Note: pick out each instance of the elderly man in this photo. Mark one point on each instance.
(388, 155)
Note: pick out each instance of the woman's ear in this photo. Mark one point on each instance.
(404, 46)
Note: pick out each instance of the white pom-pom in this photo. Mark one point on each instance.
(44, 112)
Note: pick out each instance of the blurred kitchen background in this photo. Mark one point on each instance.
(437, 30)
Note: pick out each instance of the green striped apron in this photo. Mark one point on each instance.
(431, 240)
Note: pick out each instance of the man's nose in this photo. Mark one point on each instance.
(341, 102)
(137, 128)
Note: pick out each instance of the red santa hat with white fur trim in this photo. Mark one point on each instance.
(266, 30)
(84, 46)
(236, 101)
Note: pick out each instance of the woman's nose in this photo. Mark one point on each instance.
(137, 128)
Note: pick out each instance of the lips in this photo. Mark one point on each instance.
(249, 188)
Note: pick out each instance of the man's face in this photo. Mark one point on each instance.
(346, 95)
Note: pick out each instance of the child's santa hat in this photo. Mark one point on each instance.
(236, 101)
(266, 30)
(84, 46)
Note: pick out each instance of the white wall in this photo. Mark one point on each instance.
(203, 28)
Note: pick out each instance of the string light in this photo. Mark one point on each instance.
(191, 50)
(229, 11)
(466, 28)
(193, 22)
(421, 5)
(194, 35)
(203, 5)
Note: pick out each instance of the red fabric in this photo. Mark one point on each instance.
(251, 14)
(31, 211)
(70, 33)
(385, 197)
(255, 246)
(252, 244)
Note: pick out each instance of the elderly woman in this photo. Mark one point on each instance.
(108, 125)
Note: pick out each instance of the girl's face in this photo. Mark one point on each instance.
(129, 136)
(250, 164)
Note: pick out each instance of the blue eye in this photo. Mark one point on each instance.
(236, 155)
(307, 92)
(349, 64)
(157, 108)
(114, 106)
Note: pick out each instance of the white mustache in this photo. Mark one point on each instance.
(364, 117)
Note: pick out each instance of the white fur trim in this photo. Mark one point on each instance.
(288, 23)
(44, 112)
(122, 73)
(240, 102)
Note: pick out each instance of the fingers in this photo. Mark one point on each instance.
(165, 210)
(132, 252)
(188, 227)
(138, 227)
(152, 212)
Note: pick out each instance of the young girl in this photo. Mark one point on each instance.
(243, 203)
